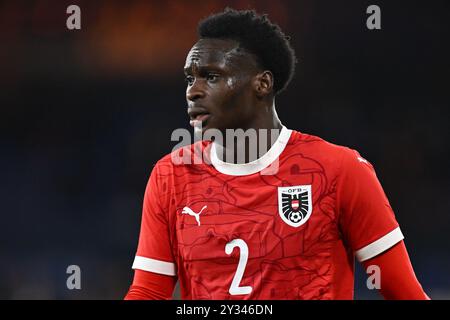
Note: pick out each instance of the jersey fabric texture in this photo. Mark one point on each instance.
(286, 226)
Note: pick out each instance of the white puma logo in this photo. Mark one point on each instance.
(187, 210)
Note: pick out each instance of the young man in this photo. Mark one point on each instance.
(286, 224)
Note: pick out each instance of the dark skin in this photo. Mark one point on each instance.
(227, 89)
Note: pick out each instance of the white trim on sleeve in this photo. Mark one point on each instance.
(152, 265)
(380, 245)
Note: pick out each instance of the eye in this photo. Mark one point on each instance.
(212, 77)
(189, 80)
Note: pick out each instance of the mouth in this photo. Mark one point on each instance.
(198, 117)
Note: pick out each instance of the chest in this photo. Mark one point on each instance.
(281, 215)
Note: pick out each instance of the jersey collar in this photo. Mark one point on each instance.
(255, 166)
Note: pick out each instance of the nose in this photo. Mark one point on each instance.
(195, 91)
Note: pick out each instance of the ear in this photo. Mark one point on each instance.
(263, 83)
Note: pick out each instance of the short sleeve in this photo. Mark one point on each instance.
(366, 218)
(154, 252)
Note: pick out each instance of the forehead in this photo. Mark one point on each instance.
(218, 52)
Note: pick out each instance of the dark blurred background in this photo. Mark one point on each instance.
(85, 114)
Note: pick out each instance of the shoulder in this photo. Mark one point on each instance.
(309, 141)
(322, 147)
(174, 170)
(337, 155)
(184, 157)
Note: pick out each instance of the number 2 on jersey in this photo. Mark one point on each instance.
(235, 289)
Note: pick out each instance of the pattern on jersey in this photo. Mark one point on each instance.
(283, 262)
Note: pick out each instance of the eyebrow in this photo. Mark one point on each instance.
(203, 68)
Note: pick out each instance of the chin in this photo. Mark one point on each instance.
(212, 127)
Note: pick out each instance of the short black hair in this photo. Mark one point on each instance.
(257, 34)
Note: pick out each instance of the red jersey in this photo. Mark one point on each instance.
(232, 231)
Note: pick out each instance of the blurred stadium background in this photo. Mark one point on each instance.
(86, 113)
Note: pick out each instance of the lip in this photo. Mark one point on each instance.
(198, 115)
(199, 119)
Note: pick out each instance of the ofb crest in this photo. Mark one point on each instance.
(295, 204)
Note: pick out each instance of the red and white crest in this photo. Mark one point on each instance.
(295, 204)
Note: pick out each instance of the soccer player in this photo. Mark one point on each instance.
(284, 225)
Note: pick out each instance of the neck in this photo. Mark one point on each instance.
(244, 145)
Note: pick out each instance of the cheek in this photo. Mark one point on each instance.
(240, 98)
(237, 89)
(231, 83)
(232, 99)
